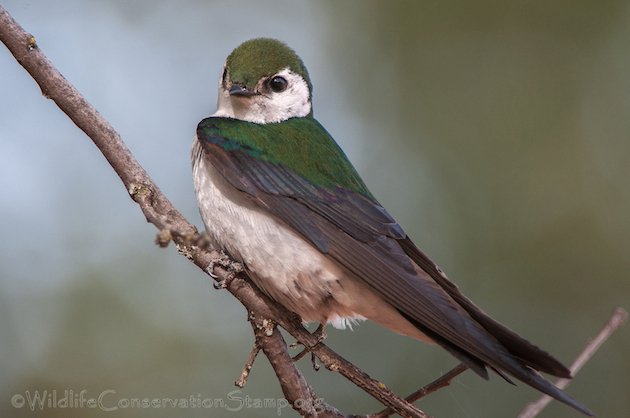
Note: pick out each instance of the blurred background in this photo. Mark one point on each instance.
(497, 133)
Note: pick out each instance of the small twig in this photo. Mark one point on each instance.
(242, 380)
(437, 384)
(299, 356)
(295, 387)
(321, 335)
(314, 362)
(618, 317)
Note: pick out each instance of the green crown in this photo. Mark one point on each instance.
(263, 57)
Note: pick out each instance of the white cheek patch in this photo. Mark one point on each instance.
(294, 102)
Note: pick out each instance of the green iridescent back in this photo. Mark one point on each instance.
(299, 144)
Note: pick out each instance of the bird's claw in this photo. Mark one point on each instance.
(321, 335)
(232, 267)
(222, 260)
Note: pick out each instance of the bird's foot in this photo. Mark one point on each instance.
(232, 267)
(321, 335)
(301, 355)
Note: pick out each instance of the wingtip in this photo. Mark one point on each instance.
(584, 409)
(537, 381)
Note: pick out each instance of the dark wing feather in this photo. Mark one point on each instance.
(362, 237)
(527, 352)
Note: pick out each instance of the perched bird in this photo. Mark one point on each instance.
(277, 193)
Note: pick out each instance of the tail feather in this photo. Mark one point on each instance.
(535, 380)
(508, 364)
(476, 365)
(519, 358)
(527, 352)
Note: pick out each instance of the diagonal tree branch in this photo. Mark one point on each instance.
(159, 211)
(434, 386)
(617, 319)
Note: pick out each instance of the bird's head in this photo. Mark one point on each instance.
(264, 81)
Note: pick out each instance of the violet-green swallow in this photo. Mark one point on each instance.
(277, 193)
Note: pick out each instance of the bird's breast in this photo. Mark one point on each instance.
(282, 263)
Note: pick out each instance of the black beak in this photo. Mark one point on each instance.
(238, 90)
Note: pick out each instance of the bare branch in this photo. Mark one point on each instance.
(159, 211)
(275, 348)
(437, 384)
(617, 319)
(331, 360)
(242, 379)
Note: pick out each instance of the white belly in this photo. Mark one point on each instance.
(282, 263)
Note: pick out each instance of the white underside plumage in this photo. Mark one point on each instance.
(282, 263)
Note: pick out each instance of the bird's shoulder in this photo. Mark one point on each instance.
(299, 145)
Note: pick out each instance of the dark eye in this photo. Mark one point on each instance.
(278, 84)
(224, 77)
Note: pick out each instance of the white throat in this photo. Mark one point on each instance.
(267, 107)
